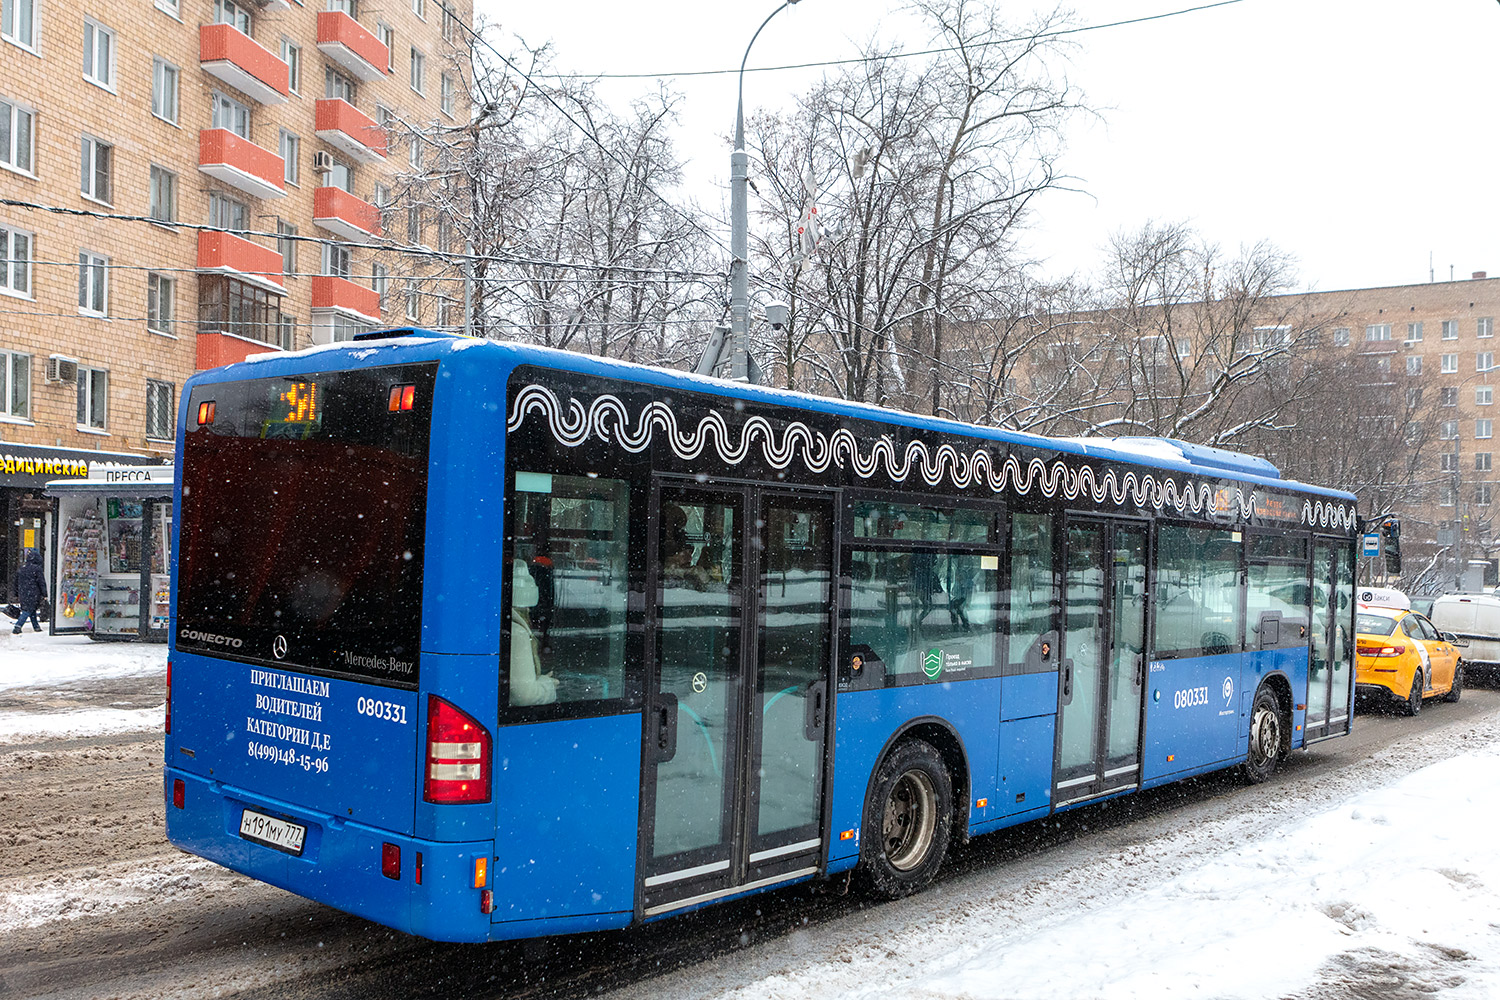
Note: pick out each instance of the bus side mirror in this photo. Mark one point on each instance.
(1390, 532)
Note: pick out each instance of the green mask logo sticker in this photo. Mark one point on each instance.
(932, 663)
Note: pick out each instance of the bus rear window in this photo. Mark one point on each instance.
(303, 518)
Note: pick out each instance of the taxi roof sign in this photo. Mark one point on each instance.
(1384, 597)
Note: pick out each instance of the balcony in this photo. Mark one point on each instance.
(342, 39)
(341, 213)
(241, 163)
(335, 294)
(243, 63)
(225, 253)
(341, 124)
(216, 347)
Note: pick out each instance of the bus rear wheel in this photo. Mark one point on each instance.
(908, 821)
(1267, 726)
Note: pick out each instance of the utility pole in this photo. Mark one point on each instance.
(739, 225)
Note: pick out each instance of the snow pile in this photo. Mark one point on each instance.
(97, 891)
(44, 674)
(32, 658)
(16, 727)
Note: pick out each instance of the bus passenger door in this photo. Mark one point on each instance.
(737, 715)
(1328, 672)
(1103, 668)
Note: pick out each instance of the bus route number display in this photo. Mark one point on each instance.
(294, 412)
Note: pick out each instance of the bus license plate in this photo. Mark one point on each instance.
(272, 832)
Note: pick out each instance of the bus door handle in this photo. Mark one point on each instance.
(817, 710)
(1140, 676)
(666, 727)
(1067, 681)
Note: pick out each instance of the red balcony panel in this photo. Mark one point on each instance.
(341, 124)
(225, 253)
(330, 293)
(340, 212)
(241, 163)
(241, 61)
(345, 41)
(218, 348)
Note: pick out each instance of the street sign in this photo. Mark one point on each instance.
(1371, 546)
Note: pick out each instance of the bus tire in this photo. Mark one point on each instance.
(1267, 733)
(1413, 703)
(1457, 690)
(908, 821)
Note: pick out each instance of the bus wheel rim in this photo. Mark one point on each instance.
(910, 820)
(1265, 734)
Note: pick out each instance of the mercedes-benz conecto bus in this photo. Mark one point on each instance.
(486, 641)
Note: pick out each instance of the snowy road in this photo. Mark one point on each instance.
(1364, 869)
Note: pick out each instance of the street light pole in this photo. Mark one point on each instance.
(739, 226)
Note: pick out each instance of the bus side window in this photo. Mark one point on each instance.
(567, 599)
(1032, 632)
(1198, 592)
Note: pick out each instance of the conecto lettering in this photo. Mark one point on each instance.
(209, 637)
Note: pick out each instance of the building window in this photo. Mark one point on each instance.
(172, 7)
(97, 159)
(414, 224)
(446, 94)
(1448, 461)
(387, 36)
(291, 54)
(419, 8)
(1378, 331)
(226, 305)
(342, 7)
(15, 385)
(418, 71)
(336, 260)
(337, 85)
(229, 12)
(1484, 395)
(450, 25)
(161, 302)
(1184, 348)
(226, 213)
(1484, 429)
(340, 175)
(1482, 494)
(16, 251)
(1482, 461)
(18, 22)
(1414, 332)
(290, 148)
(93, 398)
(1341, 337)
(385, 118)
(93, 283)
(1450, 364)
(163, 206)
(164, 90)
(1383, 365)
(1414, 365)
(1450, 329)
(414, 152)
(232, 115)
(1484, 361)
(1445, 496)
(1448, 430)
(444, 232)
(413, 300)
(1448, 396)
(380, 280)
(17, 136)
(159, 410)
(1413, 398)
(286, 245)
(345, 328)
(1485, 327)
(98, 54)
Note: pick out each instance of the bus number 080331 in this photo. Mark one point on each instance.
(1189, 697)
(387, 710)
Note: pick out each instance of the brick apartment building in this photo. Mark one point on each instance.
(264, 149)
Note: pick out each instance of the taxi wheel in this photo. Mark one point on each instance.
(1413, 703)
(1457, 690)
(1267, 727)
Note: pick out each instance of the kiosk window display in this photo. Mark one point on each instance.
(112, 554)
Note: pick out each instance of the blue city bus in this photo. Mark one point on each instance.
(484, 641)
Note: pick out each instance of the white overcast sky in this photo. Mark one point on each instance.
(1358, 135)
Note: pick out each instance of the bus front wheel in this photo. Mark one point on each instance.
(908, 821)
(1266, 734)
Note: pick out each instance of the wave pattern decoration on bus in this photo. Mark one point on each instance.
(606, 418)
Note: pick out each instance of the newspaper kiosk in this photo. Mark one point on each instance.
(111, 553)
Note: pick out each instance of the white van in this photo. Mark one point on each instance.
(1475, 619)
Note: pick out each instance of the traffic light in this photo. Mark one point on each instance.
(1390, 535)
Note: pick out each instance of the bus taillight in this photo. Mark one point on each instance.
(458, 755)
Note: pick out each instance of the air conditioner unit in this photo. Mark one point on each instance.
(322, 161)
(62, 369)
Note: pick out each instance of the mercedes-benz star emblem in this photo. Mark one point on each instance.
(278, 647)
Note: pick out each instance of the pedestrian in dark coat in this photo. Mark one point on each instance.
(31, 590)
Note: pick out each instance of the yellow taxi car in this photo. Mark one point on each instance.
(1401, 656)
